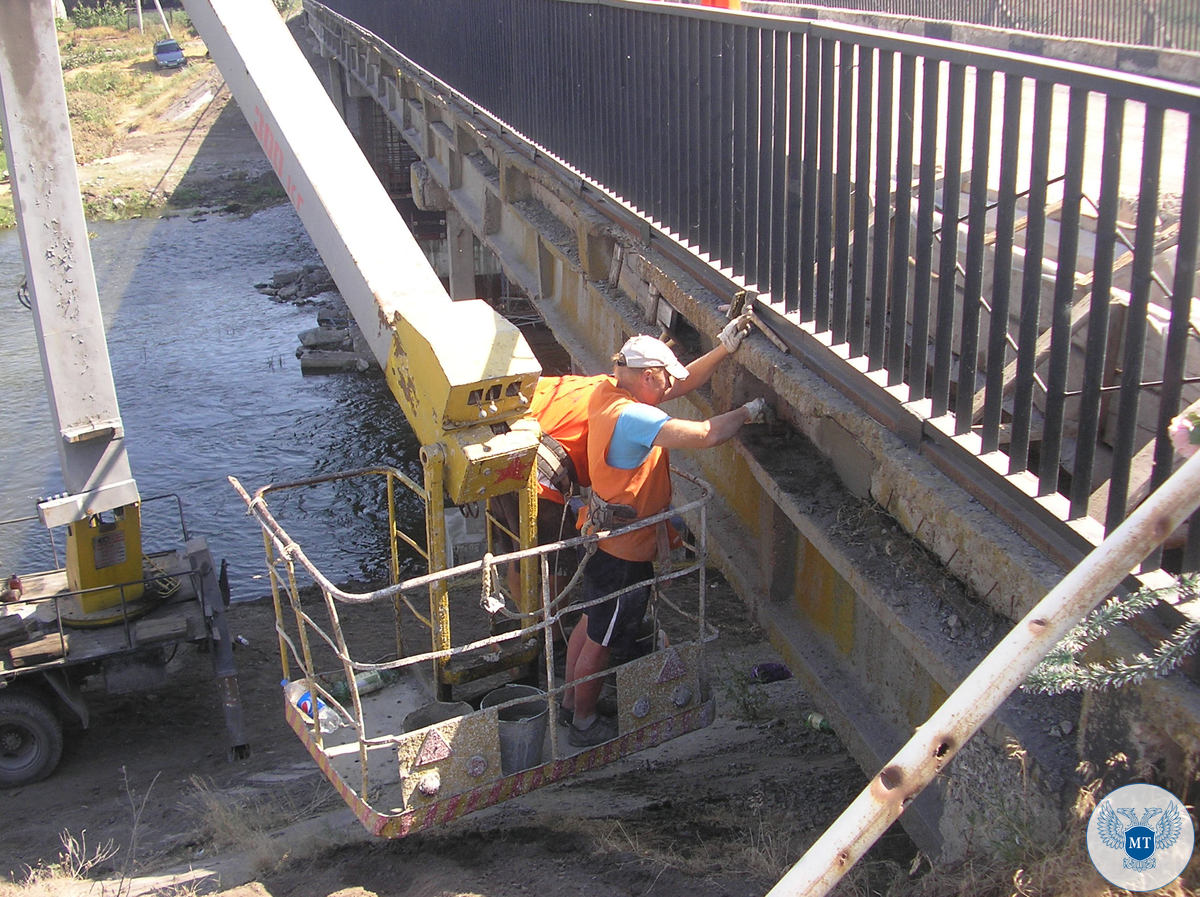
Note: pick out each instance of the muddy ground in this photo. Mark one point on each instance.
(722, 811)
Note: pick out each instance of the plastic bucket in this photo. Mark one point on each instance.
(522, 726)
(436, 712)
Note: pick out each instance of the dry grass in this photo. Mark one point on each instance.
(244, 820)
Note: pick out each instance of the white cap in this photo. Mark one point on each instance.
(647, 352)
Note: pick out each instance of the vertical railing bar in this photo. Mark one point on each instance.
(724, 144)
(737, 259)
(923, 262)
(808, 184)
(824, 248)
(968, 359)
(1064, 295)
(598, 78)
(684, 99)
(1006, 202)
(1181, 303)
(779, 191)
(708, 165)
(752, 150)
(558, 85)
(1031, 276)
(583, 145)
(1135, 332)
(841, 249)
(862, 201)
(671, 127)
(881, 239)
(639, 175)
(653, 139)
(943, 360)
(725, 66)
(602, 77)
(697, 137)
(1175, 362)
(766, 158)
(902, 226)
(687, 140)
(796, 94)
(637, 24)
(1095, 357)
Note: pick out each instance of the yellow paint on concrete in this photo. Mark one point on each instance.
(825, 599)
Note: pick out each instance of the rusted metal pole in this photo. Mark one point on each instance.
(936, 742)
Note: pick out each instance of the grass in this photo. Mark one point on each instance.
(225, 820)
(243, 820)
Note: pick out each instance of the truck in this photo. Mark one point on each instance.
(107, 610)
(461, 716)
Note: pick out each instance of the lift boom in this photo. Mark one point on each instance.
(463, 375)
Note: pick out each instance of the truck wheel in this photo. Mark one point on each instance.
(31, 739)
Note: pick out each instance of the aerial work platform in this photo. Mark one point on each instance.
(404, 760)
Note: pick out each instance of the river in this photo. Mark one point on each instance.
(208, 386)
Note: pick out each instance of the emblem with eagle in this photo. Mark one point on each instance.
(1134, 835)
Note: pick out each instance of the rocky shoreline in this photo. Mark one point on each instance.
(335, 345)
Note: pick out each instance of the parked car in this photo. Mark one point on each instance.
(168, 55)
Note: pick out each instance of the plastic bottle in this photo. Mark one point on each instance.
(327, 720)
(367, 681)
(817, 722)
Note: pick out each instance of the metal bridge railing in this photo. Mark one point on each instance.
(990, 252)
(1148, 23)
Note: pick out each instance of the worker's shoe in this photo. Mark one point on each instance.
(601, 730)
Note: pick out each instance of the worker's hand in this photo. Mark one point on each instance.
(735, 331)
(756, 411)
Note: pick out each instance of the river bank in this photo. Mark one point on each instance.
(155, 142)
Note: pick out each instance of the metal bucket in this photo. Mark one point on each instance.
(436, 712)
(522, 726)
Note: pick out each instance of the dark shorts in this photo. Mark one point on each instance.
(554, 524)
(616, 623)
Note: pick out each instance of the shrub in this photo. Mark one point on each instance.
(97, 14)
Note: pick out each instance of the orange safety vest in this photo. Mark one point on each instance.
(646, 488)
(560, 405)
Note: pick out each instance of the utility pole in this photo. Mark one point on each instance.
(161, 15)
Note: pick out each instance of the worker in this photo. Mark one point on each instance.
(629, 438)
(560, 407)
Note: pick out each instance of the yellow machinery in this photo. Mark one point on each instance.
(103, 614)
(464, 377)
(103, 553)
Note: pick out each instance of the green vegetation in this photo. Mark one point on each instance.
(1063, 669)
(96, 15)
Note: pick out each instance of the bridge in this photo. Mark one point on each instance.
(975, 270)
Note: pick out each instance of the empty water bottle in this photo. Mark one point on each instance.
(313, 708)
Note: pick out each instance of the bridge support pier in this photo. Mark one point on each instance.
(460, 246)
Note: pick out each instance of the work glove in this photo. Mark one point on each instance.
(757, 411)
(735, 331)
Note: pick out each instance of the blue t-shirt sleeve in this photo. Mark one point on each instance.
(633, 436)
